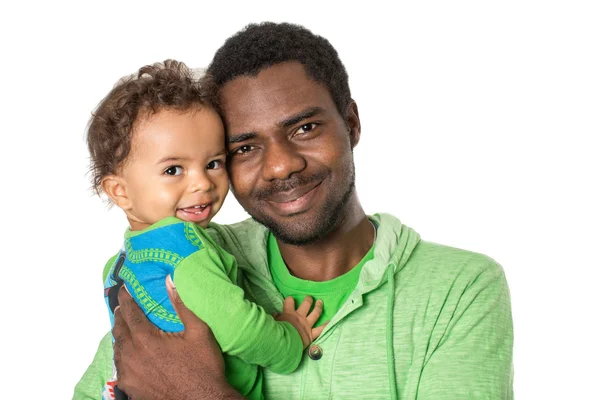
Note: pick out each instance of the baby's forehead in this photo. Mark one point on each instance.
(194, 133)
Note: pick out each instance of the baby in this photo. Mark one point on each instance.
(157, 151)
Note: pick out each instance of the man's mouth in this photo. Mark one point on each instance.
(294, 201)
(294, 194)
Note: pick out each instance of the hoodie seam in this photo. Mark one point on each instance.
(340, 332)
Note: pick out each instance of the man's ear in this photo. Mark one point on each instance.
(115, 188)
(353, 123)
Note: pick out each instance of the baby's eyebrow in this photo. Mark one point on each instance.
(170, 159)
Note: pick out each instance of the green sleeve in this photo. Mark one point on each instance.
(473, 360)
(242, 328)
(98, 373)
(100, 370)
(108, 266)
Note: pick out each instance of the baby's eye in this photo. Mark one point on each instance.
(214, 164)
(174, 170)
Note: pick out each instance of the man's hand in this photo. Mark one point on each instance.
(153, 364)
(302, 320)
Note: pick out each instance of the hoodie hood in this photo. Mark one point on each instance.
(393, 246)
(247, 242)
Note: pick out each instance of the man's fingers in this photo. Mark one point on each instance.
(288, 305)
(121, 335)
(120, 329)
(196, 331)
(315, 314)
(191, 323)
(317, 331)
(305, 306)
(132, 314)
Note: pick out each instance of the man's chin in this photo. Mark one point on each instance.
(306, 227)
(297, 239)
(296, 232)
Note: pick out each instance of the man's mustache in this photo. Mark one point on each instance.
(285, 185)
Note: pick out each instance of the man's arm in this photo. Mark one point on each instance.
(153, 364)
(473, 360)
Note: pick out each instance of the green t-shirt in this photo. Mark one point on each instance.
(333, 293)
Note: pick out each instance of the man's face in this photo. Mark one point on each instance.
(291, 165)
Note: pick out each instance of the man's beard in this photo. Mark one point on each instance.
(327, 218)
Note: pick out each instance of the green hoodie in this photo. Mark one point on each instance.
(425, 322)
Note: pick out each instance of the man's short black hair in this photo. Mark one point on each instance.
(259, 46)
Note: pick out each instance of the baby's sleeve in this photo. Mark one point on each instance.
(242, 328)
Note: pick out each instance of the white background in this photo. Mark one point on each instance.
(480, 126)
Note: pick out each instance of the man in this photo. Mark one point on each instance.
(408, 319)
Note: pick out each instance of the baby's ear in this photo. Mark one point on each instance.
(115, 188)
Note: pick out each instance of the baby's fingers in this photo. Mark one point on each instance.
(305, 306)
(288, 305)
(315, 314)
(317, 331)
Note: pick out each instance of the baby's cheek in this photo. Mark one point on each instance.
(223, 186)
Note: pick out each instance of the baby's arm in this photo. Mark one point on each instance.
(242, 328)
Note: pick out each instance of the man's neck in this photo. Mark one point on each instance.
(335, 254)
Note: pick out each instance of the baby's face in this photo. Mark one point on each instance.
(176, 167)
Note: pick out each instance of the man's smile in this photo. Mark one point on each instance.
(294, 201)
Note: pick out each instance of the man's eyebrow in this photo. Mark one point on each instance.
(240, 137)
(294, 119)
(289, 121)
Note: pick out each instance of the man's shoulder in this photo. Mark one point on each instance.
(428, 257)
(236, 234)
(447, 261)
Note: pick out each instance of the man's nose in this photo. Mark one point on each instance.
(280, 160)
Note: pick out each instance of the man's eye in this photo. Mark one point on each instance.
(306, 128)
(175, 170)
(214, 164)
(244, 149)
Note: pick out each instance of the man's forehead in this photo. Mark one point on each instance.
(273, 94)
(279, 77)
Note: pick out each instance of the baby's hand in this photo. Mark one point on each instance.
(301, 319)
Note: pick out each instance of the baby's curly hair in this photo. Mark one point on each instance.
(259, 46)
(167, 85)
